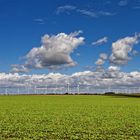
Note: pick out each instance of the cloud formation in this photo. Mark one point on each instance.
(100, 41)
(122, 49)
(86, 12)
(64, 8)
(93, 80)
(19, 68)
(54, 53)
(113, 68)
(101, 60)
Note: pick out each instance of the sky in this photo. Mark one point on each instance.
(70, 38)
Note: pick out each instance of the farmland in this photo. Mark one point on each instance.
(69, 117)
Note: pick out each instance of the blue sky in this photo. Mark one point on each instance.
(24, 22)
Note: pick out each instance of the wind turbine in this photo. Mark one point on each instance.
(78, 88)
(46, 90)
(87, 89)
(68, 87)
(6, 91)
(109, 88)
(55, 86)
(34, 86)
(28, 86)
(28, 91)
(35, 89)
(18, 90)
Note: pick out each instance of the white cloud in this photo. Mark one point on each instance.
(122, 48)
(103, 56)
(113, 68)
(135, 52)
(40, 20)
(105, 13)
(101, 60)
(19, 69)
(100, 41)
(87, 12)
(54, 53)
(123, 3)
(64, 8)
(111, 77)
(90, 68)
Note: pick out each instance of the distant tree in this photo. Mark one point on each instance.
(110, 93)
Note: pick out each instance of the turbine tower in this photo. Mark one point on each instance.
(28, 88)
(46, 89)
(6, 91)
(68, 87)
(35, 89)
(55, 86)
(18, 90)
(78, 88)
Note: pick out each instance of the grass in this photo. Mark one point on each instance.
(69, 117)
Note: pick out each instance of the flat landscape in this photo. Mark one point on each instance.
(67, 117)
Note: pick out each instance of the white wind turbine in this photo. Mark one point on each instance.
(46, 89)
(68, 87)
(34, 86)
(78, 86)
(28, 87)
(6, 91)
(55, 86)
(18, 91)
(35, 89)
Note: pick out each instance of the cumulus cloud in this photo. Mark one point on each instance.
(103, 56)
(101, 60)
(54, 53)
(100, 41)
(113, 68)
(122, 48)
(19, 69)
(111, 77)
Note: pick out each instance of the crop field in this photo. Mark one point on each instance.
(65, 117)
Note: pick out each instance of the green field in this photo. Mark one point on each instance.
(69, 117)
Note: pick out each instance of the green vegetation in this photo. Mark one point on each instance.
(69, 117)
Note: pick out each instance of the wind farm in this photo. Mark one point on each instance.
(69, 70)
